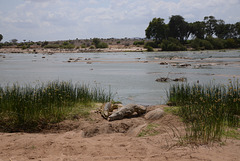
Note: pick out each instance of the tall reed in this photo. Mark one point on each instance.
(207, 109)
(28, 108)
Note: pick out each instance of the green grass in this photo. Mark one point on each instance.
(28, 108)
(149, 130)
(172, 109)
(207, 109)
(232, 133)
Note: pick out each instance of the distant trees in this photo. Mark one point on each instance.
(157, 30)
(210, 33)
(210, 25)
(14, 41)
(197, 29)
(98, 44)
(178, 28)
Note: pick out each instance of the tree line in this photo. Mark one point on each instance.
(211, 33)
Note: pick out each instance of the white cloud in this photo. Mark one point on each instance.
(61, 19)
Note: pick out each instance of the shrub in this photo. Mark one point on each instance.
(102, 45)
(151, 43)
(206, 44)
(83, 46)
(172, 44)
(138, 42)
(67, 45)
(149, 48)
(230, 43)
(98, 44)
(24, 47)
(199, 44)
(44, 43)
(195, 44)
(216, 42)
(51, 46)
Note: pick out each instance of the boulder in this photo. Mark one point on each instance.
(155, 114)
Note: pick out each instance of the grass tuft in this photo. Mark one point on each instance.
(207, 109)
(28, 108)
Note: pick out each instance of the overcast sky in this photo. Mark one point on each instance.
(39, 20)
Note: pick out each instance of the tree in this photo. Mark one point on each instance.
(1, 37)
(96, 41)
(14, 41)
(178, 28)
(198, 29)
(220, 29)
(210, 24)
(237, 30)
(98, 44)
(157, 30)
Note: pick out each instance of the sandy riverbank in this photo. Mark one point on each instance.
(80, 50)
(99, 140)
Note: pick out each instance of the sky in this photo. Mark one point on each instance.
(40, 20)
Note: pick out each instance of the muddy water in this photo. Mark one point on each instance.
(130, 76)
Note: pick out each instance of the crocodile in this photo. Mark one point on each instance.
(127, 111)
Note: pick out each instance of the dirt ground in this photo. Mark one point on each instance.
(95, 139)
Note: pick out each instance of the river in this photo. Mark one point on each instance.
(129, 75)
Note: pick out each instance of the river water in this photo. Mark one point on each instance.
(129, 75)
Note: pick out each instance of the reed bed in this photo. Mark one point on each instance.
(29, 108)
(207, 110)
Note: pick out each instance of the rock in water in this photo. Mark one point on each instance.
(127, 111)
(155, 114)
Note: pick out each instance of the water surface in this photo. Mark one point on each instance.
(130, 76)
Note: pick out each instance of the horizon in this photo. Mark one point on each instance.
(57, 20)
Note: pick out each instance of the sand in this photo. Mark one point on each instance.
(95, 139)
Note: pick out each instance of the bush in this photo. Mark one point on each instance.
(206, 44)
(83, 46)
(216, 42)
(151, 43)
(172, 45)
(230, 43)
(51, 46)
(195, 44)
(98, 44)
(44, 43)
(149, 48)
(96, 41)
(102, 45)
(24, 47)
(92, 47)
(199, 44)
(138, 43)
(67, 45)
